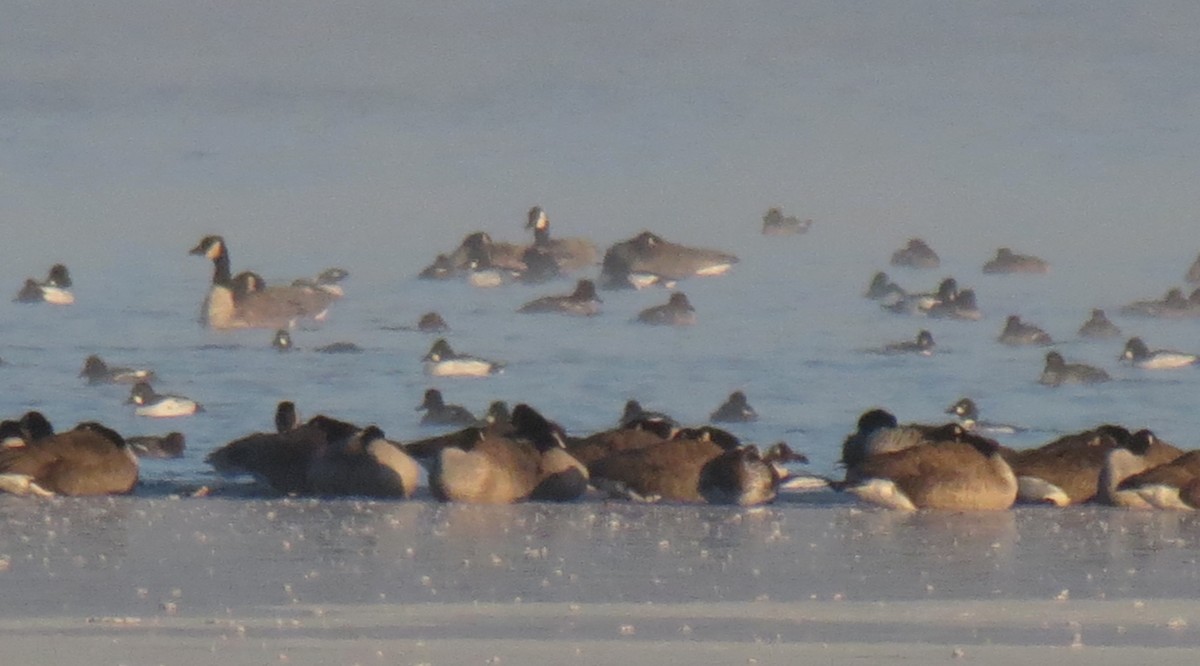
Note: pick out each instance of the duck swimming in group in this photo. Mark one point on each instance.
(775, 224)
(1098, 327)
(170, 445)
(1017, 333)
(155, 405)
(1058, 372)
(53, 290)
(677, 311)
(1137, 354)
(1007, 261)
(916, 254)
(735, 409)
(437, 412)
(923, 345)
(582, 302)
(881, 287)
(443, 361)
(98, 372)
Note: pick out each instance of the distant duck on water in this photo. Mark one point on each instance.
(53, 290)
(152, 404)
(443, 361)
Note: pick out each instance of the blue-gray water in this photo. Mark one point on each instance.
(376, 137)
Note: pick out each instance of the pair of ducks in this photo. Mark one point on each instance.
(246, 302)
(946, 467)
(487, 263)
(947, 302)
(584, 301)
(53, 290)
(1058, 372)
(149, 402)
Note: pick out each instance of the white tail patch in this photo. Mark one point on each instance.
(22, 484)
(57, 296)
(719, 269)
(1032, 490)
(1162, 496)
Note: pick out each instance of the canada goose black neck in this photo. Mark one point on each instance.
(285, 416)
(36, 426)
(531, 425)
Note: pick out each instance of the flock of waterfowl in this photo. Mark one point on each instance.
(519, 454)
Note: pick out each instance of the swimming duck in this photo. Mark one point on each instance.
(442, 361)
(1139, 355)
(962, 306)
(569, 254)
(735, 409)
(251, 305)
(432, 322)
(437, 412)
(98, 372)
(328, 280)
(922, 303)
(581, 302)
(89, 460)
(1007, 261)
(339, 348)
(1172, 305)
(1017, 333)
(954, 470)
(968, 417)
(362, 463)
(1057, 372)
(677, 311)
(883, 288)
(528, 463)
(52, 290)
(650, 259)
(282, 340)
(923, 345)
(1099, 327)
(155, 405)
(281, 459)
(170, 445)
(1141, 484)
(916, 254)
(775, 224)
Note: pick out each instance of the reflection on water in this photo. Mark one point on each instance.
(129, 556)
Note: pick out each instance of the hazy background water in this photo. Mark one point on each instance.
(376, 136)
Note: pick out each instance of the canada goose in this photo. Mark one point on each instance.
(281, 459)
(1069, 470)
(493, 468)
(170, 445)
(1132, 479)
(437, 412)
(1137, 354)
(916, 254)
(677, 311)
(775, 224)
(735, 409)
(953, 470)
(99, 372)
(35, 426)
(570, 254)
(443, 361)
(1099, 327)
(581, 302)
(1017, 333)
(923, 345)
(634, 434)
(668, 470)
(1007, 261)
(877, 432)
(968, 417)
(156, 405)
(1058, 372)
(89, 460)
(52, 290)
(648, 259)
(881, 287)
(744, 477)
(362, 463)
(228, 306)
